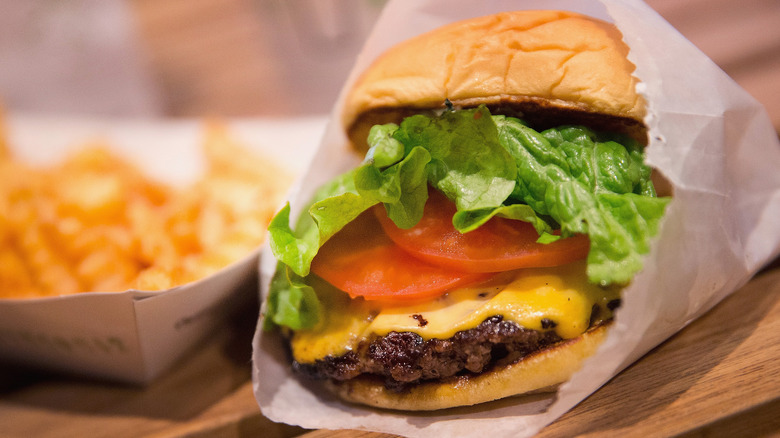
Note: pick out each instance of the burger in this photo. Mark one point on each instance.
(480, 249)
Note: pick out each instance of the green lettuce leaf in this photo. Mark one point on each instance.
(468, 164)
(458, 153)
(293, 303)
(468, 220)
(402, 187)
(570, 178)
(384, 150)
(335, 205)
(591, 185)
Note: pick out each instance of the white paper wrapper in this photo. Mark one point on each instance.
(708, 137)
(134, 336)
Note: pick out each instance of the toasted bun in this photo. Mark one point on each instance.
(536, 373)
(549, 67)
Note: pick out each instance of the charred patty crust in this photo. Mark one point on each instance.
(403, 359)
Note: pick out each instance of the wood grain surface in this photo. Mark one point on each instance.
(718, 377)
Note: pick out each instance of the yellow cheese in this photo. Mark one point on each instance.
(561, 296)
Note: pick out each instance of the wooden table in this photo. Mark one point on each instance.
(718, 377)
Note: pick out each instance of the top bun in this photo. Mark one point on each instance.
(548, 67)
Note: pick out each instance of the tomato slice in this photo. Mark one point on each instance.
(498, 245)
(362, 261)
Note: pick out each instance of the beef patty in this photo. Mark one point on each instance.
(405, 358)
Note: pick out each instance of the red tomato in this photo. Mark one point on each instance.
(498, 245)
(362, 261)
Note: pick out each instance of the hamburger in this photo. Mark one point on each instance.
(479, 250)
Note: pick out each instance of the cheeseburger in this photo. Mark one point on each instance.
(479, 250)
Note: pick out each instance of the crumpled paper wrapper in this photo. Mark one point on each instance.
(708, 137)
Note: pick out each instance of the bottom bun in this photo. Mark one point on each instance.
(539, 372)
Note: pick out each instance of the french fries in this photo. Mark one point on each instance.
(97, 223)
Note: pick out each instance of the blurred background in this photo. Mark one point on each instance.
(248, 58)
(179, 57)
(261, 59)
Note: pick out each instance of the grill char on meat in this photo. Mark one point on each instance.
(404, 359)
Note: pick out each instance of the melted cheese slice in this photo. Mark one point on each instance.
(559, 299)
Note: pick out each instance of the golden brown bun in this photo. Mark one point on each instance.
(539, 372)
(549, 67)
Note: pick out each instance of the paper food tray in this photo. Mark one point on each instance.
(133, 336)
